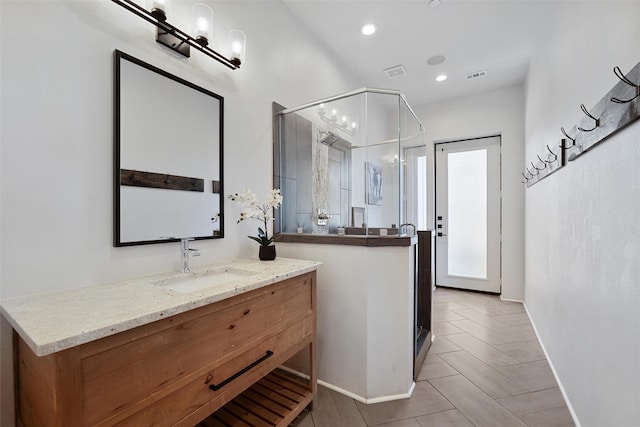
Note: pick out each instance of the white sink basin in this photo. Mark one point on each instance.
(190, 282)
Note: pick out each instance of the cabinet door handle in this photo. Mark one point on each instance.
(216, 387)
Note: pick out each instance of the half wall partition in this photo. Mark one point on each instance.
(344, 166)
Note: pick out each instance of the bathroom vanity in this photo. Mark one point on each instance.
(154, 351)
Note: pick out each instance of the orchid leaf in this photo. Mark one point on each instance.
(261, 233)
(257, 239)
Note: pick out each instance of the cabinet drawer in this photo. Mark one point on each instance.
(195, 401)
(123, 379)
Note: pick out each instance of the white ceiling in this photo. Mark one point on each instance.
(498, 36)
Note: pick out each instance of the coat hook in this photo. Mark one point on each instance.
(530, 174)
(537, 168)
(624, 79)
(544, 162)
(584, 110)
(573, 140)
(525, 178)
(534, 168)
(555, 156)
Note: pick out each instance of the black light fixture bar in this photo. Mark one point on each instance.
(177, 33)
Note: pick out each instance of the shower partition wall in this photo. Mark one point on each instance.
(338, 163)
(342, 164)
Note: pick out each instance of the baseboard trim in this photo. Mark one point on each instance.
(393, 397)
(353, 395)
(510, 300)
(576, 421)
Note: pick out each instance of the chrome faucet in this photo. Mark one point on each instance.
(405, 228)
(187, 252)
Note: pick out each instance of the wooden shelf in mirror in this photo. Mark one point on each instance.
(165, 181)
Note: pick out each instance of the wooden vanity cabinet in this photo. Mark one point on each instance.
(175, 371)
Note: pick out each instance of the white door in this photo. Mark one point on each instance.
(468, 221)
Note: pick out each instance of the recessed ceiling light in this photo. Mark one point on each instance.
(368, 29)
(436, 60)
(441, 78)
(434, 3)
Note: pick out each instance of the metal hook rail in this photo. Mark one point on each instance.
(618, 108)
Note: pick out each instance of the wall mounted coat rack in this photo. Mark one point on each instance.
(618, 108)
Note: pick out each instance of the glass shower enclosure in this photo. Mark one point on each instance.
(341, 163)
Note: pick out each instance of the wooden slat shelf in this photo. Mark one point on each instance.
(274, 401)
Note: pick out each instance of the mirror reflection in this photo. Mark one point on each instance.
(168, 156)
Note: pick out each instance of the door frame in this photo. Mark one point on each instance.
(436, 145)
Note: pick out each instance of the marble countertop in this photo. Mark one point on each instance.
(59, 320)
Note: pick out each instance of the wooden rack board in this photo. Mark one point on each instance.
(610, 113)
(274, 401)
(135, 178)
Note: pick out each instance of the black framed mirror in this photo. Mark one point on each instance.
(168, 156)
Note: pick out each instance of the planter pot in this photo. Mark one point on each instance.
(267, 253)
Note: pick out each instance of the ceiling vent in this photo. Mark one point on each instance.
(476, 75)
(394, 72)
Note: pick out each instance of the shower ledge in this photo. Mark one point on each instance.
(334, 239)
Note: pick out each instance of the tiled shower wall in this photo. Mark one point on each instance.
(312, 176)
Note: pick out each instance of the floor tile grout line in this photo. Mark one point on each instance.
(459, 410)
(490, 345)
(491, 397)
(445, 410)
(528, 392)
(450, 402)
(443, 361)
(531, 411)
(360, 412)
(494, 331)
(476, 322)
(497, 372)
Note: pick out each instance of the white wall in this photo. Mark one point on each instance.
(365, 308)
(56, 134)
(583, 223)
(492, 113)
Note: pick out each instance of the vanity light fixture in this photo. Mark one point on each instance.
(179, 41)
(238, 43)
(337, 121)
(202, 16)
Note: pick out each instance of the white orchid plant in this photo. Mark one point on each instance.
(263, 212)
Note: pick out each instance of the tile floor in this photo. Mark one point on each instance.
(485, 368)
